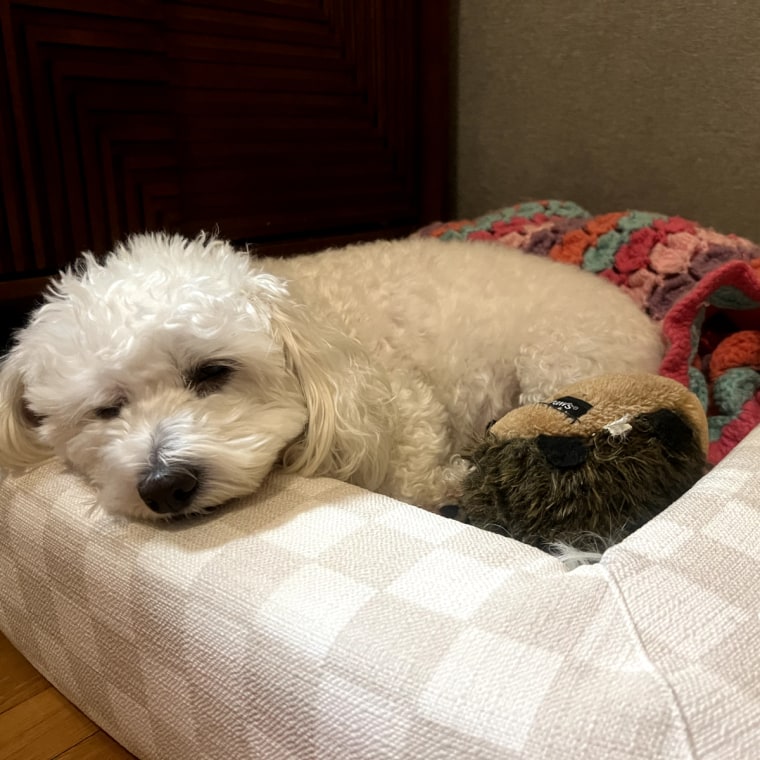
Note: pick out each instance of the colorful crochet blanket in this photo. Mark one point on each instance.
(704, 287)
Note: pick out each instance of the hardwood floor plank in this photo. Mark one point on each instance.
(38, 723)
(42, 727)
(99, 746)
(18, 679)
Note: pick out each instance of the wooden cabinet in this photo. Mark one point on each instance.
(289, 124)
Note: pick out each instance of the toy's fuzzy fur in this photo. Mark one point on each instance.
(624, 481)
(374, 364)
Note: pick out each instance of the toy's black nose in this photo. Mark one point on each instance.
(168, 489)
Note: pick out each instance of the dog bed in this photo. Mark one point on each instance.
(317, 620)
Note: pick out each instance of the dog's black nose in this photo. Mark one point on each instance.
(169, 489)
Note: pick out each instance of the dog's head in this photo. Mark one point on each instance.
(174, 375)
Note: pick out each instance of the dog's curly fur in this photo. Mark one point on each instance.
(374, 364)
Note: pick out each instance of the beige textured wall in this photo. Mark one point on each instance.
(614, 104)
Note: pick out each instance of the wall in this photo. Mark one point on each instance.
(612, 104)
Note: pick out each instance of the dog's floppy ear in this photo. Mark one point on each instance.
(19, 445)
(348, 401)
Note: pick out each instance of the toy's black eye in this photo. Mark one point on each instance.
(208, 378)
(111, 411)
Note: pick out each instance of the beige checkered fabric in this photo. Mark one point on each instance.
(317, 620)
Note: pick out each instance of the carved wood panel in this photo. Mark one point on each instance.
(295, 120)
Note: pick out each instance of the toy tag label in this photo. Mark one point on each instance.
(570, 406)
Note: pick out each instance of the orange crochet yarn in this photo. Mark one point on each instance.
(741, 349)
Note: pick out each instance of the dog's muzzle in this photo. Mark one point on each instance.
(169, 489)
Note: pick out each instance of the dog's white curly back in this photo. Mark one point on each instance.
(177, 373)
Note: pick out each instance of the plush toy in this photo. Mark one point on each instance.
(588, 466)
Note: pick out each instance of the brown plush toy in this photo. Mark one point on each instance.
(588, 466)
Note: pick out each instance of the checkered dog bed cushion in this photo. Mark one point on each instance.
(317, 620)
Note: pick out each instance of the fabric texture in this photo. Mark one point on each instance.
(702, 285)
(317, 620)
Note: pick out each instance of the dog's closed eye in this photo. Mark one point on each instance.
(208, 378)
(111, 411)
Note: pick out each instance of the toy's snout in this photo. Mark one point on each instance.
(563, 451)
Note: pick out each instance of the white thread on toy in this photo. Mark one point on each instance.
(619, 427)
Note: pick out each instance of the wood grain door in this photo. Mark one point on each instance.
(288, 124)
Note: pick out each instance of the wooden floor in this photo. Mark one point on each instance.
(37, 723)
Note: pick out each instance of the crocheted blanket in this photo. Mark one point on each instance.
(704, 287)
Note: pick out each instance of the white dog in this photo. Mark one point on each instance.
(177, 373)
